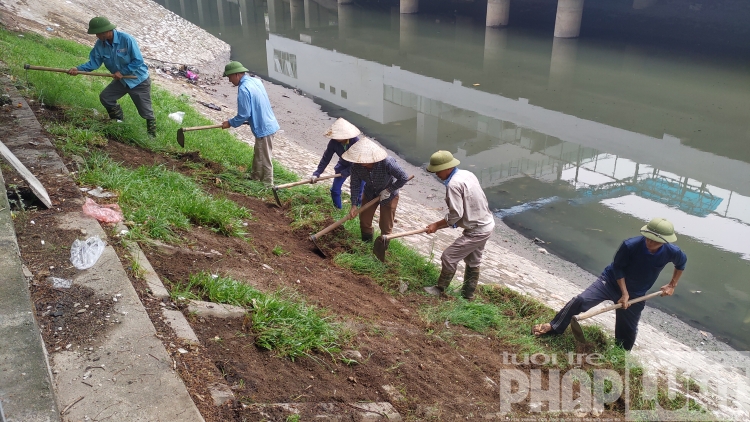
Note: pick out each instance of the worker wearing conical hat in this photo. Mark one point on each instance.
(382, 176)
(343, 136)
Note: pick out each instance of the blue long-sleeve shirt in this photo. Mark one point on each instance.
(122, 55)
(254, 107)
(385, 174)
(343, 167)
(639, 267)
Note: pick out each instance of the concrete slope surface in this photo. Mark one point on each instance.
(130, 375)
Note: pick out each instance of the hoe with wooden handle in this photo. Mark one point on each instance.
(576, 328)
(381, 243)
(301, 182)
(181, 132)
(56, 69)
(347, 217)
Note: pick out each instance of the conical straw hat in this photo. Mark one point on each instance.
(341, 129)
(365, 151)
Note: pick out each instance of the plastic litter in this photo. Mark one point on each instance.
(100, 193)
(107, 213)
(177, 116)
(85, 253)
(191, 76)
(60, 283)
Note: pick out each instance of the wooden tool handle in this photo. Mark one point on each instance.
(302, 182)
(402, 234)
(188, 129)
(56, 69)
(592, 313)
(346, 218)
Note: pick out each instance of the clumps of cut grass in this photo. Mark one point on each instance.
(281, 321)
(160, 201)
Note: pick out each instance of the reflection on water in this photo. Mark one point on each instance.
(576, 141)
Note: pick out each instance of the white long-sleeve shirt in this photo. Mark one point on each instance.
(467, 204)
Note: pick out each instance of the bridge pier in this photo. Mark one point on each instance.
(297, 12)
(275, 15)
(427, 130)
(312, 13)
(407, 35)
(346, 19)
(200, 13)
(220, 11)
(568, 20)
(498, 12)
(409, 6)
(495, 42)
(562, 65)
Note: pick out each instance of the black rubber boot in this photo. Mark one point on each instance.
(367, 237)
(443, 282)
(471, 279)
(151, 127)
(116, 113)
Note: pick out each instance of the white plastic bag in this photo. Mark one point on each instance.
(177, 116)
(85, 253)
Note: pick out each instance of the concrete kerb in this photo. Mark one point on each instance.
(26, 392)
(126, 350)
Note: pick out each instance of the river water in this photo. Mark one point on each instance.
(577, 142)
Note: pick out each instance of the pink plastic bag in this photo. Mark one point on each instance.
(107, 213)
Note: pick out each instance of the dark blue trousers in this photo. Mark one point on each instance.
(626, 321)
(336, 190)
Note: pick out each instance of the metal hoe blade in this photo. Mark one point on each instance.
(379, 248)
(575, 327)
(181, 137)
(276, 196)
(315, 241)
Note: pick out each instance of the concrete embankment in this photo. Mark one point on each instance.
(164, 38)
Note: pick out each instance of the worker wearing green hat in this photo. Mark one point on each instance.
(468, 209)
(119, 53)
(254, 108)
(633, 271)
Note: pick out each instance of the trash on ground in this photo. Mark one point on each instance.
(60, 283)
(85, 253)
(177, 116)
(212, 106)
(99, 192)
(106, 213)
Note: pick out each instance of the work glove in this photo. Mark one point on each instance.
(384, 195)
(314, 179)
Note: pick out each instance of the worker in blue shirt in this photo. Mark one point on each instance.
(343, 136)
(120, 54)
(633, 271)
(254, 108)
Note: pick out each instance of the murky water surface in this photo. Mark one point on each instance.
(576, 141)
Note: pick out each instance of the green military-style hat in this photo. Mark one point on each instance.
(100, 24)
(234, 67)
(659, 230)
(442, 160)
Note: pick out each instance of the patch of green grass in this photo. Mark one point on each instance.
(281, 321)
(278, 251)
(160, 201)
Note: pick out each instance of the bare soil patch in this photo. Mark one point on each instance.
(427, 371)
